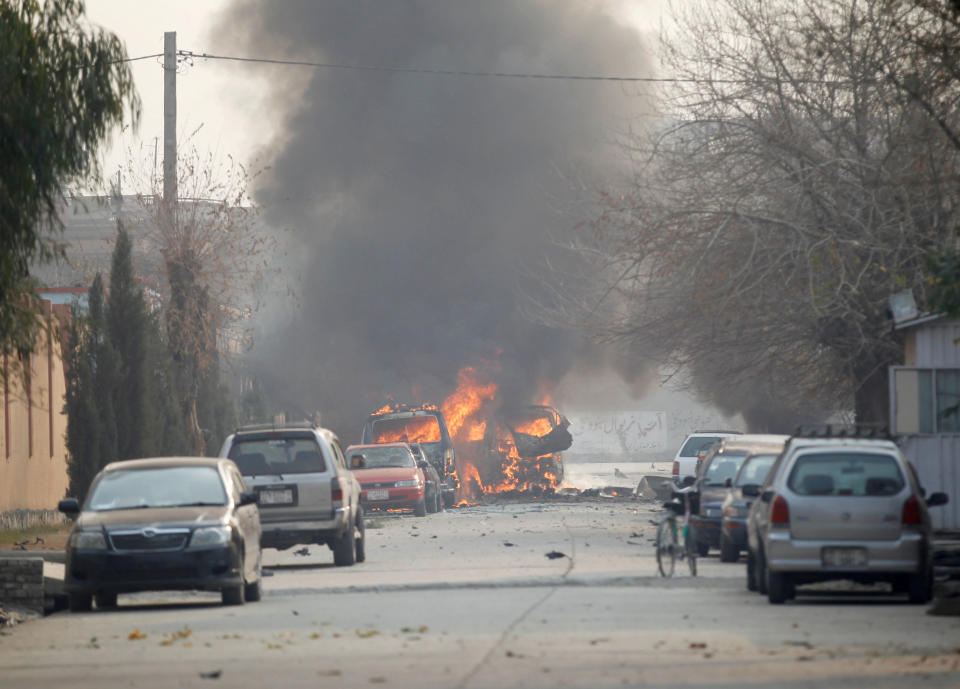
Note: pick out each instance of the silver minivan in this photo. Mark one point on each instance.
(840, 508)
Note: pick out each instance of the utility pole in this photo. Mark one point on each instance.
(170, 121)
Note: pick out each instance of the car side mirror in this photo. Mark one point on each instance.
(249, 497)
(937, 499)
(751, 490)
(727, 482)
(357, 462)
(69, 506)
(766, 495)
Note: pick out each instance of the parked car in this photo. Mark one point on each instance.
(425, 425)
(840, 508)
(163, 524)
(694, 447)
(736, 506)
(431, 479)
(715, 473)
(389, 476)
(306, 492)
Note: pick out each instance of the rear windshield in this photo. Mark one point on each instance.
(277, 456)
(723, 467)
(157, 487)
(846, 473)
(413, 429)
(755, 469)
(693, 446)
(375, 457)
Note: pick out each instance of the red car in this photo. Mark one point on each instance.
(389, 477)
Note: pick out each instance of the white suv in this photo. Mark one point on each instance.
(694, 447)
(306, 492)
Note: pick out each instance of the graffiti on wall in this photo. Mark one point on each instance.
(618, 433)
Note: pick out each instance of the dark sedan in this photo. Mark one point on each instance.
(173, 523)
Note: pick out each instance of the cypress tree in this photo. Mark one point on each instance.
(127, 320)
(91, 384)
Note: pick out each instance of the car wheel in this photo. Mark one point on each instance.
(79, 602)
(232, 595)
(760, 573)
(751, 571)
(420, 509)
(345, 548)
(779, 587)
(703, 548)
(920, 586)
(106, 600)
(360, 549)
(728, 551)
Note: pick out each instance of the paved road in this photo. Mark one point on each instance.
(469, 599)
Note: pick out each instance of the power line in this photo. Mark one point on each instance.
(418, 70)
(190, 55)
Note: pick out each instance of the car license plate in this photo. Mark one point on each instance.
(382, 494)
(844, 557)
(276, 497)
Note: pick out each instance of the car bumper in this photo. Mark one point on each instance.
(901, 556)
(285, 532)
(735, 531)
(708, 530)
(97, 571)
(398, 498)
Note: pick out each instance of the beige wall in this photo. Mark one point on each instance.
(33, 452)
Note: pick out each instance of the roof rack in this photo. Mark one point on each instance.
(864, 431)
(290, 425)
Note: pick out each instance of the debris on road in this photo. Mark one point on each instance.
(214, 674)
(555, 554)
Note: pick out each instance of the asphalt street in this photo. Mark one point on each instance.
(469, 598)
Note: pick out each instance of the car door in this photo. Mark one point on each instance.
(248, 522)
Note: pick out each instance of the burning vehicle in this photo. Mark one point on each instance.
(522, 449)
(424, 425)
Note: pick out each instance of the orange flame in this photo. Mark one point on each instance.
(472, 392)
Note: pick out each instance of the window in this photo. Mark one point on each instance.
(926, 400)
(846, 473)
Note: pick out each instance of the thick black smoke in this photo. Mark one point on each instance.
(420, 203)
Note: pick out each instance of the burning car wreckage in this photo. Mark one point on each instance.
(513, 450)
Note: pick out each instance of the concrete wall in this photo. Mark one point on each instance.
(33, 452)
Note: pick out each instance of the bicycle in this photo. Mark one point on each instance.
(668, 545)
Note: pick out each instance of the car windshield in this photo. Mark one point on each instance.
(693, 446)
(846, 473)
(287, 455)
(723, 467)
(122, 489)
(384, 457)
(411, 429)
(755, 469)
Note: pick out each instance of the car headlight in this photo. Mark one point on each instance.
(88, 540)
(412, 483)
(210, 536)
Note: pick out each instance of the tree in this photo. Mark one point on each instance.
(91, 382)
(213, 259)
(789, 191)
(128, 323)
(64, 86)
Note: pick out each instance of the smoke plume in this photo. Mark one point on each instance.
(419, 204)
